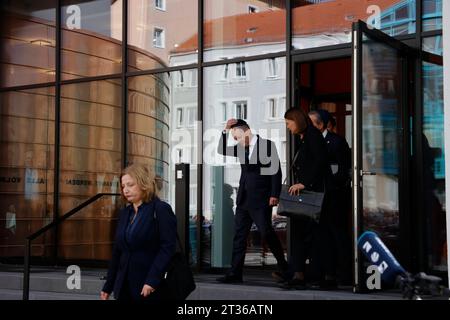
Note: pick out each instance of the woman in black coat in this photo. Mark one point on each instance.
(310, 172)
(145, 240)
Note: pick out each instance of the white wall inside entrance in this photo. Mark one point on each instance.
(446, 43)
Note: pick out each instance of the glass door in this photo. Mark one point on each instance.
(380, 144)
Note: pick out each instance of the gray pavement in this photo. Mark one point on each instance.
(50, 284)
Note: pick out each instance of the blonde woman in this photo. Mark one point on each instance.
(145, 240)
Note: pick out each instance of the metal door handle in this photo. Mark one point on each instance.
(368, 173)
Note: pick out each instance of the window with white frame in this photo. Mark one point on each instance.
(282, 107)
(224, 72)
(241, 71)
(240, 109)
(179, 155)
(193, 77)
(192, 197)
(160, 4)
(252, 9)
(191, 116)
(275, 107)
(179, 117)
(272, 68)
(158, 37)
(180, 82)
(272, 108)
(223, 111)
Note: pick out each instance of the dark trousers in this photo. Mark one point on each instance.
(332, 239)
(243, 221)
(303, 237)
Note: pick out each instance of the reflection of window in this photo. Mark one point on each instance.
(191, 116)
(158, 38)
(187, 78)
(224, 74)
(181, 79)
(179, 117)
(272, 68)
(272, 108)
(223, 108)
(186, 116)
(240, 70)
(192, 197)
(179, 154)
(252, 9)
(402, 13)
(275, 107)
(282, 106)
(193, 78)
(240, 108)
(160, 4)
(386, 19)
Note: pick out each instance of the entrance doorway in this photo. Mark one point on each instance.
(326, 84)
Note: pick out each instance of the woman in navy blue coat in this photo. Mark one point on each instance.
(145, 240)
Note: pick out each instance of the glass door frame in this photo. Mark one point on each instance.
(406, 54)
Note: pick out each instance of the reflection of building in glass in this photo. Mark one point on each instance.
(254, 91)
(90, 127)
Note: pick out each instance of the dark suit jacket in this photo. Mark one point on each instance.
(338, 155)
(145, 258)
(311, 167)
(261, 177)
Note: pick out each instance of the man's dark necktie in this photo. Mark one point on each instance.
(247, 154)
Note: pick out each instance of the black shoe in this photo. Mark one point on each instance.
(280, 277)
(296, 284)
(230, 278)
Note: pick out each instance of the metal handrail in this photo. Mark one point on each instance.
(58, 221)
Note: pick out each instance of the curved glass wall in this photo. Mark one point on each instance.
(148, 125)
(27, 124)
(90, 163)
(91, 38)
(27, 30)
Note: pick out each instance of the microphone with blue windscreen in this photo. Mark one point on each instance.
(379, 255)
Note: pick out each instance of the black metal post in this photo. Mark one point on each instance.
(57, 128)
(26, 272)
(182, 204)
(124, 81)
(199, 142)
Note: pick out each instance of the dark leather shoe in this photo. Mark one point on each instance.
(296, 284)
(280, 277)
(229, 278)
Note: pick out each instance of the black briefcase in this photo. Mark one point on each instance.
(308, 204)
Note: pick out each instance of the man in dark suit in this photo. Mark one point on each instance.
(339, 194)
(259, 190)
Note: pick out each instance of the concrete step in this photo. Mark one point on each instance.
(51, 284)
(53, 281)
(8, 294)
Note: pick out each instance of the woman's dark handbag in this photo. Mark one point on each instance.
(308, 204)
(178, 281)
